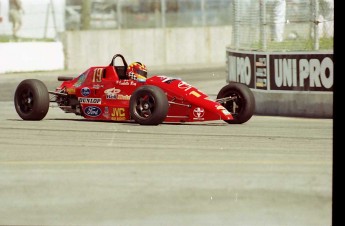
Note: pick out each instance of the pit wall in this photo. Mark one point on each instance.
(296, 84)
(154, 47)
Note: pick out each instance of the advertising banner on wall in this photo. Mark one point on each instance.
(299, 71)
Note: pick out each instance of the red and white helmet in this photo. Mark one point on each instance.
(137, 71)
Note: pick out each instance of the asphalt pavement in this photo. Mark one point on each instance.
(65, 170)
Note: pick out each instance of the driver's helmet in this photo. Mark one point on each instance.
(137, 71)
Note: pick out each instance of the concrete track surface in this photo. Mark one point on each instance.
(65, 170)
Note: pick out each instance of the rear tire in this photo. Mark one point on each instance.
(243, 106)
(149, 105)
(31, 99)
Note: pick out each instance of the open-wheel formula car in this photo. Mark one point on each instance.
(107, 93)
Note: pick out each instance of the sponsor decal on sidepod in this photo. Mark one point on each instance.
(92, 111)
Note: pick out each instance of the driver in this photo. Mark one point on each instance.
(137, 71)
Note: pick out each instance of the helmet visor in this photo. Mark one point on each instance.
(143, 73)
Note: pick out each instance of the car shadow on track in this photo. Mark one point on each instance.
(132, 123)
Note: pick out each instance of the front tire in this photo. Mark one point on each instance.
(148, 105)
(31, 99)
(242, 105)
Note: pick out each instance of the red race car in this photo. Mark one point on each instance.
(114, 93)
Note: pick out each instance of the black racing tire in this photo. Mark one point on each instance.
(148, 105)
(31, 100)
(243, 106)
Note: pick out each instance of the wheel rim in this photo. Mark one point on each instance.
(235, 106)
(145, 106)
(25, 101)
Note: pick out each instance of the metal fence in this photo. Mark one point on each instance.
(284, 25)
(121, 14)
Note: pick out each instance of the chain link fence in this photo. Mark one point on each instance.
(290, 25)
(121, 14)
(276, 25)
(269, 25)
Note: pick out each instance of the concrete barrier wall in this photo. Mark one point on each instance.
(312, 105)
(154, 47)
(31, 56)
(286, 83)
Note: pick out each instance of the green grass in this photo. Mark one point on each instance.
(296, 45)
(8, 38)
